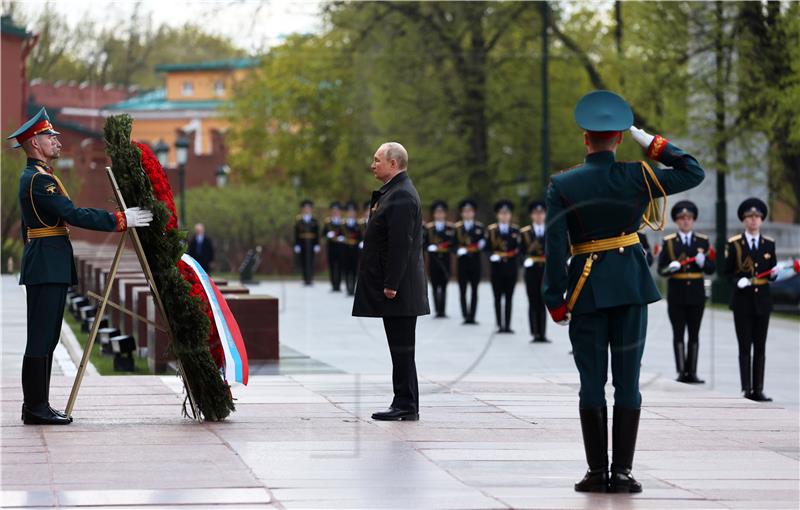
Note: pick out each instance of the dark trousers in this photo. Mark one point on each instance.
(400, 332)
(469, 276)
(306, 260)
(683, 318)
(350, 268)
(439, 269)
(335, 265)
(751, 333)
(503, 287)
(537, 318)
(623, 329)
(45, 313)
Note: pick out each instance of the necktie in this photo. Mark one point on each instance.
(753, 245)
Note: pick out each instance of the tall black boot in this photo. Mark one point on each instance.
(691, 364)
(680, 360)
(34, 388)
(758, 380)
(594, 426)
(744, 375)
(49, 371)
(508, 314)
(625, 428)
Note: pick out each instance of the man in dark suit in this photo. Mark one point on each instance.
(747, 256)
(201, 248)
(48, 268)
(391, 281)
(685, 257)
(599, 206)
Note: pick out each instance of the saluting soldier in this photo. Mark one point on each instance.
(685, 257)
(439, 237)
(503, 244)
(353, 235)
(533, 261)
(306, 239)
(600, 204)
(469, 243)
(48, 268)
(333, 231)
(750, 262)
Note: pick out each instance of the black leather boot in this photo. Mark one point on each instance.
(625, 428)
(680, 360)
(744, 375)
(691, 365)
(35, 410)
(49, 371)
(758, 380)
(594, 425)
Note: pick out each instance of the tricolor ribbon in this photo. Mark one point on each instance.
(236, 368)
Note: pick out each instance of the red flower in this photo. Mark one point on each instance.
(158, 178)
(214, 343)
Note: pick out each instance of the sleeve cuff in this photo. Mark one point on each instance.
(122, 223)
(657, 147)
(559, 313)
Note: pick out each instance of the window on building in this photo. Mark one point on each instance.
(219, 88)
(188, 88)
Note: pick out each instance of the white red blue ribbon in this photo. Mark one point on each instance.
(236, 368)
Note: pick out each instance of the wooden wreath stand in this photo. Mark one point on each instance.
(104, 300)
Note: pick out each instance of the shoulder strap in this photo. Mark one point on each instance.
(650, 218)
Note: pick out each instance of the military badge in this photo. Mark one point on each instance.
(50, 189)
(767, 256)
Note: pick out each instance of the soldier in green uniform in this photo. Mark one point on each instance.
(48, 268)
(685, 257)
(333, 231)
(306, 239)
(469, 243)
(353, 235)
(503, 243)
(439, 237)
(603, 293)
(533, 261)
(748, 256)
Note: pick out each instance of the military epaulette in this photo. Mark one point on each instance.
(670, 237)
(769, 239)
(459, 224)
(526, 229)
(448, 224)
(734, 238)
(493, 226)
(570, 168)
(701, 236)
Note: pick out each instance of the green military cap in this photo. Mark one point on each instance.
(467, 202)
(603, 111)
(335, 205)
(537, 205)
(307, 201)
(351, 206)
(39, 124)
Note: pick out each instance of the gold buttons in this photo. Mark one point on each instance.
(755, 290)
(621, 249)
(594, 256)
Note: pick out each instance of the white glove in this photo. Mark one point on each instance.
(330, 235)
(481, 244)
(138, 217)
(340, 239)
(674, 266)
(528, 262)
(743, 282)
(431, 248)
(361, 244)
(700, 259)
(297, 248)
(494, 257)
(642, 137)
(316, 248)
(565, 322)
(461, 252)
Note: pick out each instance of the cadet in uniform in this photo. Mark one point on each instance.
(685, 257)
(533, 253)
(469, 244)
(48, 268)
(439, 236)
(600, 205)
(353, 235)
(503, 243)
(306, 239)
(333, 231)
(747, 257)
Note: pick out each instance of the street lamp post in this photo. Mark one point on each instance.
(162, 153)
(181, 156)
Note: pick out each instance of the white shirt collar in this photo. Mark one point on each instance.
(503, 228)
(538, 230)
(686, 238)
(751, 238)
(306, 218)
(468, 224)
(439, 225)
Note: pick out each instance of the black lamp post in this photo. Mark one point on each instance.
(162, 153)
(181, 156)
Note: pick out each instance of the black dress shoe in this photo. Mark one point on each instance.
(623, 482)
(683, 377)
(758, 396)
(593, 481)
(394, 414)
(693, 379)
(540, 340)
(469, 322)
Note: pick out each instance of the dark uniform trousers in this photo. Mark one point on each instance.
(623, 330)
(537, 318)
(335, 256)
(46, 303)
(439, 267)
(400, 332)
(469, 276)
(504, 280)
(350, 267)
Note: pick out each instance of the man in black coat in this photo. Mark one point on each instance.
(201, 248)
(391, 280)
